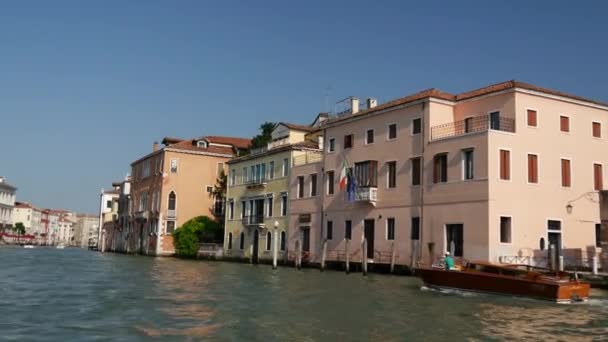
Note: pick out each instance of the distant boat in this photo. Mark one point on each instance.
(60, 246)
(28, 246)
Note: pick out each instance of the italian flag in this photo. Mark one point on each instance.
(343, 175)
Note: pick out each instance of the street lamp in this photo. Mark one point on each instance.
(569, 208)
(275, 246)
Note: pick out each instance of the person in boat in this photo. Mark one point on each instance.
(449, 261)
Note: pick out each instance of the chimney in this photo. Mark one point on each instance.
(371, 103)
(354, 105)
(155, 146)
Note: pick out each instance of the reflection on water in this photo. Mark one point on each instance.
(49, 294)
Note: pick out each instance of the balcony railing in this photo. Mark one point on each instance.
(261, 181)
(366, 194)
(253, 220)
(472, 125)
(171, 213)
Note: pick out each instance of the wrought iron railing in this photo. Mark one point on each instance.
(472, 125)
(254, 219)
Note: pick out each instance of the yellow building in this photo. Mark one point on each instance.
(257, 207)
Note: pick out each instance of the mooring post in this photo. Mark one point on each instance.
(297, 254)
(323, 255)
(561, 263)
(275, 249)
(594, 269)
(364, 257)
(553, 257)
(393, 257)
(347, 255)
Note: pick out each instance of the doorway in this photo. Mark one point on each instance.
(256, 244)
(454, 239)
(369, 230)
(305, 239)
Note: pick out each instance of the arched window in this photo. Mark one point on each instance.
(242, 241)
(268, 240)
(172, 200)
(283, 241)
(229, 240)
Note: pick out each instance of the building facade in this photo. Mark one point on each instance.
(30, 216)
(7, 204)
(257, 200)
(499, 173)
(86, 230)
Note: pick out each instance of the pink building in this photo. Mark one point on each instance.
(498, 174)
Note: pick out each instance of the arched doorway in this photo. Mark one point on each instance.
(256, 244)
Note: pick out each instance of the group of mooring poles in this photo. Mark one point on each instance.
(364, 260)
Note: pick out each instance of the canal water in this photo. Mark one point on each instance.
(78, 295)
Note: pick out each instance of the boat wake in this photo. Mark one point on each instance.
(456, 292)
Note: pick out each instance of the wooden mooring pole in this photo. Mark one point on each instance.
(298, 255)
(393, 257)
(364, 257)
(323, 255)
(347, 255)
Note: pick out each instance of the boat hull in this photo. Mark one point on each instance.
(504, 285)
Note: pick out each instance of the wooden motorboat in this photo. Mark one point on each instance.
(507, 279)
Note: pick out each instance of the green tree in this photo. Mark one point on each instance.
(199, 229)
(19, 228)
(262, 139)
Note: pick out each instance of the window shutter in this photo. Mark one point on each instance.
(564, 123)
(532, 118)
(505, 167)
(598, 177)
(565, 173)
(532, 168)
(597, 130)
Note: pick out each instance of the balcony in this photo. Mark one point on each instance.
(254, 220)
(366, 194)
(308, 157)
(171, 214)
(258, 182)
(472, 125)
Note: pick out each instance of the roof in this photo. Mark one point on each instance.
(240, 143)
(303, 145)
(190, 145)
(297, 127)
(436, 93)
(23, 205)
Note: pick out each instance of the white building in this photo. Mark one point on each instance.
(7, 203)
(30, 216)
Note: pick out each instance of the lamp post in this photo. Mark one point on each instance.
(275, 245)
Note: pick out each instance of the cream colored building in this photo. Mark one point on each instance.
(498, 174)
(30, 216)
(7, 203)
(257, 207)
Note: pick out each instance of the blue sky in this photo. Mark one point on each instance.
(86, 87)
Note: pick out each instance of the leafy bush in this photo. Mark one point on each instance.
(199, 229)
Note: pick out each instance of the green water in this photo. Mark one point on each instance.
(77, 295)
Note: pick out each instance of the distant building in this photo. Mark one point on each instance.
(30, 216)
(108, 210)
(86, 229)
(7, 204)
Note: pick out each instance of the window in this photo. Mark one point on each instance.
(597, 129)
(532, 168)
(440, 168)
(348, 229)
(271, 170)
(392, 174)
(243, 209)
(173, 165)
(330, 182)
(348, 141)
(231, 209)
(390, 228)
(209, 189)
(467, 164)
(229, 240)
(330, 230)
(505, 229)
(245, 176)
(532, 118)
(270, 203)
(332, 145)
(566, 182)
(415, 233)
(468, 125)
(283, 241)
(171, 201)
(220, 169)
(109, 204)
(598, 177)
(170, 227)
(369, 137)
(242, 241)
(284, 205)
(300, 186)
(285, 167)
(392, 131)
(505, 164)
(268, 240)
(416, 126)
(495, 120)
(366, 173)
(146, 171)
(564, 123)
(554, 225)
(201, 143)
(416, 174)
(232, 177)
(313, 185)
(598, 235)
(143, 201)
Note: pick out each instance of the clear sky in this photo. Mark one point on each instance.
(87, 86)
